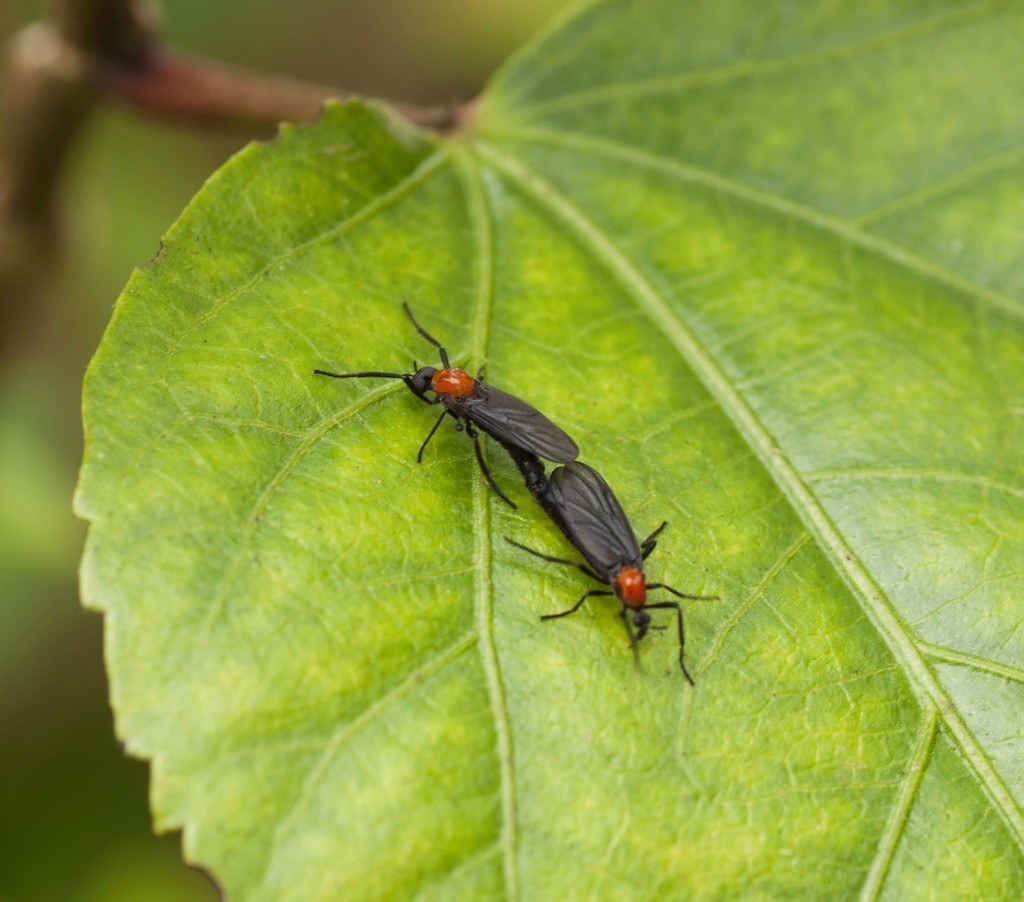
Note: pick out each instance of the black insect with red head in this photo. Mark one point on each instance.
(585, 509)
(471, 402)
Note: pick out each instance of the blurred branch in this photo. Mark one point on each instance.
(57, 73)
(192, 89)
(122, 31)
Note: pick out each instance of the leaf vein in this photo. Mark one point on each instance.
(875, 880)
(912, 473)
(862, 585)
(436, 889)
(350, 728)
(829, 225)
(952, 181)
(283, 472)
(759, 590)
(976, 662)
(400, 190)
(623, 91)
(479, 217)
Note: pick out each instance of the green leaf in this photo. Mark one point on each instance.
(762, 263)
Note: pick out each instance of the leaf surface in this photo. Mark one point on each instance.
(761, 264)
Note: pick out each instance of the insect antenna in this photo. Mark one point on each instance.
(427, 335)
(679, 594)
(359, 375)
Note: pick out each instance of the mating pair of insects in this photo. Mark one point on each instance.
(575, 496)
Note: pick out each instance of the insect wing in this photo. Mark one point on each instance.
(514, 422)
(593, 518)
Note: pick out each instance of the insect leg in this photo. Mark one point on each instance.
(473, 434)
(682, 634)
(576, 606)
(556, 560)
(430, 435)
(624, 617)
(650, 542)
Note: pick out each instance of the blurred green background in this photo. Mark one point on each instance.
(74, 819)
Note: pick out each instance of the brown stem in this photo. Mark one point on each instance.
(49, 97)
(46, 106)
(47, 102)
(122, 30)
(58, 71)
(192, 89)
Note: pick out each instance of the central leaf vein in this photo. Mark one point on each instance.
(781, 206)
(479, 218)
(930, 692)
